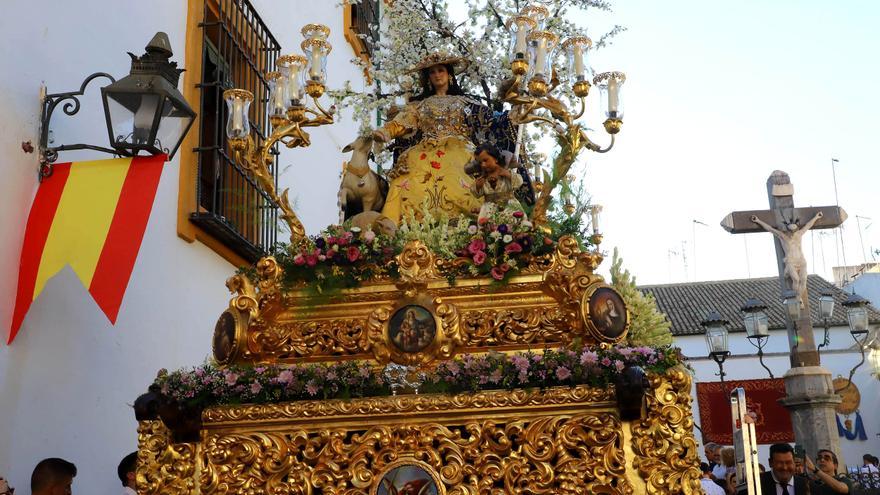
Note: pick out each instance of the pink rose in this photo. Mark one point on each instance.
(513, 247)
(504, 267)
(476, 245)
(299, 259)
(369, 236)
(312, 259)
(256, 387)
(479, 257)
(496, 273)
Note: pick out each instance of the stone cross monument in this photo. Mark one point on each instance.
(810, 396)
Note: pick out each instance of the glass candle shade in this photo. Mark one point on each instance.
(538, 13)
(292, 68)
(610, 86)
(520, 26)
(575, 49)
(315, 32)
(238, 103)
(541, 46)
(277, 94)
(594, 217)
(316, 51)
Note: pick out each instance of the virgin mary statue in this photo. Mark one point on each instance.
(438, 130)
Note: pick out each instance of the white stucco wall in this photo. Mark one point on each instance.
(743, 364)
(68, 381)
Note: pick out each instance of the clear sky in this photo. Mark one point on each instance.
(718, 96)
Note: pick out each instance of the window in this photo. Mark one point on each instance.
(361, 26)
(221, 202)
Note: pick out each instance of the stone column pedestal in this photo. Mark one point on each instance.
(811, 400)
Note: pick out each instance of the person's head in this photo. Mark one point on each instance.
(704, 468)
(799, 465)
(782, 461)
(826, 461)
(5, 489)
(867, 459)
(439, 77)
(126, 470)
(489, 157)
(728, 456)
(52, 476)
(711, 451)
(762, 468)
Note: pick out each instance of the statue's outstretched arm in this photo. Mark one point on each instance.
(809, 225)
(767, 227)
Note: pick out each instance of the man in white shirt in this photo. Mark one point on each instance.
(709, 485)
(126, 472)
(869, 466)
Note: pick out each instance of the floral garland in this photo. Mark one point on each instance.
(209, 385)
(345, 256)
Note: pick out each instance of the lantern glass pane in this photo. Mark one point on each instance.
(826, 306)
(716, 339)
(858, 319)
(132, 116)
(173, 123)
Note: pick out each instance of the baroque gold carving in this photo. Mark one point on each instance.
(417, 265)
(551, 453)
(666, 455)
(530, 325)
(164, 468)
(230, 416)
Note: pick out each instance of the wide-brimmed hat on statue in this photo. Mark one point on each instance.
(441, 58)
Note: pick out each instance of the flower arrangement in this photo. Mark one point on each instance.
(209, 385)
(344, 256)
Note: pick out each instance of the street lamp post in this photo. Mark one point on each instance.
(857, 316)
(716, 340)
(757, 327)
(826, 309)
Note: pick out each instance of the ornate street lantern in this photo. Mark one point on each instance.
(757, 327)
(144, 110)
(716, 339)
(857, 314)
(792, 305)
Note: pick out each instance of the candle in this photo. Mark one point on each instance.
(538, 171)
(578, 61)
(294, 89)
(238, 115)
(315, 66)
(520, 48)
(540, 55)
(594, 215)
(612, 96)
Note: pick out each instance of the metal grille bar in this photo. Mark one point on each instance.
(238, 50)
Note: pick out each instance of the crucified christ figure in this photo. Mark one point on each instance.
(795, 270)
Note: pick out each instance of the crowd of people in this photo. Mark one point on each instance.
(54, 476)
(789, 474)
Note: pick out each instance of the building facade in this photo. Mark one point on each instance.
(687, 304)
(69, 379)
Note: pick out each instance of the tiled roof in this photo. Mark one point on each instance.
(687, 304)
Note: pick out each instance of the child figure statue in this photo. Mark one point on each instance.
(494, 183)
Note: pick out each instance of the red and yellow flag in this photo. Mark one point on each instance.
(92, 216)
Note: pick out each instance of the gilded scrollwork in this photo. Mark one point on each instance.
(232, 415)
(549, 454)
(417, 265)
(163, 467)
(528, 325)
(666, 454)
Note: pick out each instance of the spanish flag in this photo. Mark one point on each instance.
(92, 216)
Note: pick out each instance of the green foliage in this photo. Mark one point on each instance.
(648, 326)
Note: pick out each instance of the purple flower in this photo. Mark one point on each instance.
(312, 388)
(320, 243)
(606, 362)
(453, 368)
(231, 378)
(563, 373)
(503, 228)
(589, 358)
(331, 375)
(619, 365)
(256, 387)
(364, 371)
(285, 377)
(495, 377)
